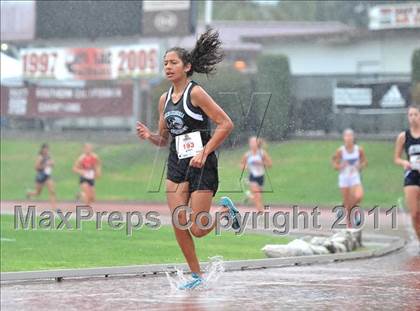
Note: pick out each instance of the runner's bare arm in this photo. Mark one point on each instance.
(243, 161)
(98, 167)
(77, 168)
(399, 147)
(267, 159)
(336, 160)
(363, 159)
(38, 163)
(162, 137)
(200, 98)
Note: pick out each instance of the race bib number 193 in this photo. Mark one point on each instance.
(188, 145)
(415, 162)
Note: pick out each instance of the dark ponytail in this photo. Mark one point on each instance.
(205, 55)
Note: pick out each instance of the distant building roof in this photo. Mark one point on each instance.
(299, 30)
(250, 35)
(256, 29)
(247, 35)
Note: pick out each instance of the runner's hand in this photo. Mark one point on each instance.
(407, 165)
(143, 131)
(199, 160)
(343, 165)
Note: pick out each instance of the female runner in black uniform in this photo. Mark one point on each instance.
(185, 112)
(43, 167)
(409, 141)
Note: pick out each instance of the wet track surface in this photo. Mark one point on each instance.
(388, 283)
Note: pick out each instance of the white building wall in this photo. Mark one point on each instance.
(397, 54)
(379, 55)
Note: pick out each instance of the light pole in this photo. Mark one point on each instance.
(208, 14)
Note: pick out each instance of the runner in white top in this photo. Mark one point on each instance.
(349, 173)
(256, 160)
(255, 164)
(349, 160)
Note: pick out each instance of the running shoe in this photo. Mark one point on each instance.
(233, 211)
(196, 281)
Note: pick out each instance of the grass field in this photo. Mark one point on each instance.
(301, 172)
(23, 250)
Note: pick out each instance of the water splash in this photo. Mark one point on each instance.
(175, 279)
(212, 274)
(214, 270)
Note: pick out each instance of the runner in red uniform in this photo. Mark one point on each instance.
(88, 166)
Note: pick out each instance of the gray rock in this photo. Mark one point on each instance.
(341, 241)
(319, 250)
(295, 248)
(317, 240)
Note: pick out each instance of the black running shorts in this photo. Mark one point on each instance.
(205, 178)
(412, 178)
(41, 177)
(90, 182)
(257, 179)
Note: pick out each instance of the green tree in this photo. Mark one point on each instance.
(415, 76)
(415, 66)
(232, 91)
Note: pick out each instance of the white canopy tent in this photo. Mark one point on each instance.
(11, 70)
